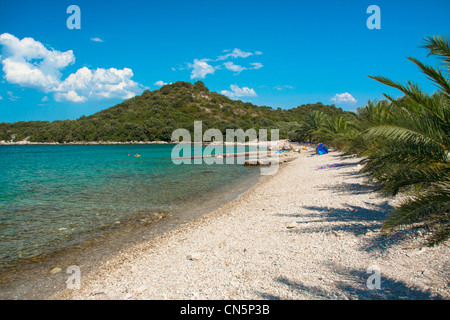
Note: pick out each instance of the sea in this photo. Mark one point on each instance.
(78, 205)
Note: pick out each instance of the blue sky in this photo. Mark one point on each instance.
(274, 53)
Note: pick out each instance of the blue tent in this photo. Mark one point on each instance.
(321, 149)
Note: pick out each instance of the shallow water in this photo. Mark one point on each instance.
(59, 196)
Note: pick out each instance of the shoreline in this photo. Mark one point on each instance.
(87, 143)
(300, 234)
(80, 143)
(43, 276)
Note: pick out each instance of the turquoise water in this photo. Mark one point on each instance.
(56, 196)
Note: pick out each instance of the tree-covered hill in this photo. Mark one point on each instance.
(154, 115)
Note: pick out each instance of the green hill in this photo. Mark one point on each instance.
(154, 115)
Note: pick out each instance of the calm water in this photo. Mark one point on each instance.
(52, 197)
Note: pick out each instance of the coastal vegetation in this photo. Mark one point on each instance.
(405, 145)
(154, 115)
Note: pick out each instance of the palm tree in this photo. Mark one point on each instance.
(411, 146)
(310, 125)
(375, 113)
(338, 131)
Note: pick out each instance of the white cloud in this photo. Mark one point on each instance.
(237, 53)
(237, 68)
(12, 97)
(1, 98)
(343, 98)
(237, 92)
(160, 83)
(97, 84)
(44, 99)
(71, 96)
(200, 68)
(28, 75)
(233, 67)
(29, 63)
(96, 40)
(281, 87)
(256, 65)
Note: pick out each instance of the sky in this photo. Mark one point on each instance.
(57, 63)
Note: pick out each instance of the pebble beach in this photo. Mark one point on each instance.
(311, 231)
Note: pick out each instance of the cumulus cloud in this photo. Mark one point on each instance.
(237, 92)
(96, 40)
(29, 63)
(160, 83)
(200, 68)
(343, 98)
(97, 84)
(71, 96)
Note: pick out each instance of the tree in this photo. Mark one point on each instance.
(310, 125)
(411, 149)
(338, 131)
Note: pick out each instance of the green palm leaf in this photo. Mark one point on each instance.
(410, 148)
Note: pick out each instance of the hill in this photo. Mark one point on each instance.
(154, 115)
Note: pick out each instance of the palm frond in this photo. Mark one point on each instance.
(408, 151)
(439, 46)
(397, 133)
(430, 209)
(434, 74)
